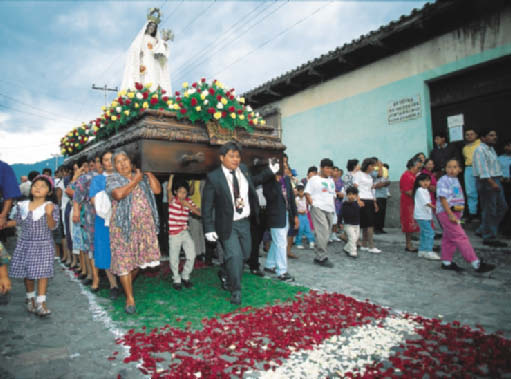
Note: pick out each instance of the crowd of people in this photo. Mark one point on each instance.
(103, 213)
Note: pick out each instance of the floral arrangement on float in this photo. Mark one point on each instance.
(199, 101)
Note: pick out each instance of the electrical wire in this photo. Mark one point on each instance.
(273, 38)
(240, 33)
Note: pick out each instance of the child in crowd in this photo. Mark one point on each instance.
(422, 213)
(180, 207)
(351, 217)
(450, 204)
(304, 230)
(35, 250)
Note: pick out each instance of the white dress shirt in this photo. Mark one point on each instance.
(243, 182)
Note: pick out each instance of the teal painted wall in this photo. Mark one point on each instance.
(357, 127)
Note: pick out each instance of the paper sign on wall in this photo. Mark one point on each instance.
(405, 109)
(455, 125)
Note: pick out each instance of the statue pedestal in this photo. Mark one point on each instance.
(160, 143)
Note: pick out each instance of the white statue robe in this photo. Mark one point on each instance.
(147, 62)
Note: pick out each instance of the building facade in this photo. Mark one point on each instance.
(443, 67)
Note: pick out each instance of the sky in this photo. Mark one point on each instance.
(52, 52)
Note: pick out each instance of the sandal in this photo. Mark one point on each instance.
(30, 305)
(42, 311)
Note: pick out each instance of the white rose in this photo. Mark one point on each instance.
(204, 93)
(191, 90)
(205, 102)
(139, 96)
(219, 105)
(118, 109)
(249, 108)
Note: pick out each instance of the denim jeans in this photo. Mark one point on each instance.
(426, 235)
(493, 207)
(304, 229)
(277, 256)
(471, 190)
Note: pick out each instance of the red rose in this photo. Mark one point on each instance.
(203, 80)
(251, 122)
(177, 93)
(178, 98)
(154, 101)
(219, 97)
(231, 97)
(139, 86)
(240, 111)
(231, 109)
(165, 98)
(194, 102)
(128, 101)
(194, 85)
(211, 91)
(145, 95)
(211, 110)
(224, 113)
(183, 111)
(163, 91)
(227, 94)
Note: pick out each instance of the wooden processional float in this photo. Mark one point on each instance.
(160, 143)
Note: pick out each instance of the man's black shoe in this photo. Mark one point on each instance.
(285, 277)
(452, 267)
(324, 263)
(177, 286)
(270, 270)
(485, 267)
(438, 236)
(87, 282)
(494, 243)
(236, 298)
(379, 231)
(257, 272)
(187, 283)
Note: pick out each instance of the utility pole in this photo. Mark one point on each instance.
(56, 156)
(105, 89)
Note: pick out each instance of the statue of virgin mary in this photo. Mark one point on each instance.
(147, 58)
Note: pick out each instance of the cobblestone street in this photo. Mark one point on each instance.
(75, 341)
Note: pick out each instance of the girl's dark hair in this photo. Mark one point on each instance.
(352, 163)
(366, 163)
(418, 181)
(50, 196)
(427, 160)
(81, 161)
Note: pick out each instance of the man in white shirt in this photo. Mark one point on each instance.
(320, 193)
(228, 200)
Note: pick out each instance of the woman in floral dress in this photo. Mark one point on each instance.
(408, 224)
(134, 223)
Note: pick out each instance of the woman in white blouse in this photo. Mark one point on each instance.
(367, 201)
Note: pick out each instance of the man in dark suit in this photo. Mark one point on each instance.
(281, 213)
(228, 200)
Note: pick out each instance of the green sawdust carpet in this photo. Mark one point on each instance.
(158, 304)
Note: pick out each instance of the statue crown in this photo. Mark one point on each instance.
(153, 15)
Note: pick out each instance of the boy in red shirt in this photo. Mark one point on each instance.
(180, 207)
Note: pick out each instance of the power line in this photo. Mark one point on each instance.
(195, 18)
(221, 40)
(36, 108)
(35, 114)
(241, 34)
(273, 38)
